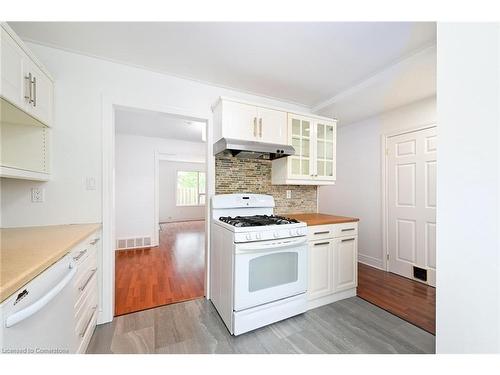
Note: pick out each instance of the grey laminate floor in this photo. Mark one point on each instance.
(349, 326)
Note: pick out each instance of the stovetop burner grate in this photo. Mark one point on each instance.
(256, 220)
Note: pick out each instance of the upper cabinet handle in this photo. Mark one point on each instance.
(255, 126)
(34, 91)
(28, 78)
(260, 127)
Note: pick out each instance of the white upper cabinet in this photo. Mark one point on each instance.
(249, 122)
(24, 82)
(26, 104)
(314, 162)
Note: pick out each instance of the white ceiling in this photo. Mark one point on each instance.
(305, 63)
(154, 124)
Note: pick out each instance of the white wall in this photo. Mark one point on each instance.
(468, 277)
(135, 180)
(169, 211)
(80, 84)
(357, 191)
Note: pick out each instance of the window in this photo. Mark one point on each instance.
(191, 188)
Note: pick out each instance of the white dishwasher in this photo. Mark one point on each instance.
(38, 318)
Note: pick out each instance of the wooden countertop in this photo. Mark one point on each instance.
(26, 252)
(321, 219)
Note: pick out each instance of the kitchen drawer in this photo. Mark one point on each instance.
(88, 263)
(85, 309)
(345, 229)
(81, 251)
(87, 285)
(320, 232)
(85, 327)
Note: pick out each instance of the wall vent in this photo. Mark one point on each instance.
(133, 243)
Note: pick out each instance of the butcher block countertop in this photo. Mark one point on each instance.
(28, 251)
(321, 219)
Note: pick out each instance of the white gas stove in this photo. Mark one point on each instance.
(258, 265)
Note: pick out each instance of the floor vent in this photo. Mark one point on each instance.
(133, 243)
(420, 273)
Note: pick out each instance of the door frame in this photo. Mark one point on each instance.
(385, 204)
(161, 156)
(106, 261)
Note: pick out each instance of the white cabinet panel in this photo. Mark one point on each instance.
(42, 94)
(12, 82)
(320, 269)
(272, 125)
(346, 263)
(239, 121)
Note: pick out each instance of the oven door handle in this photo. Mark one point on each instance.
(260, 247)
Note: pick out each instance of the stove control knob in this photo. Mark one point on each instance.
(258, 236)
(291, 232)
(248, 237)
(299, 232)
(276, 234)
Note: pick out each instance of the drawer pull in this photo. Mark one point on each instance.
(94, 241)
(322, 243)
(347, 229)
(92, 273)
(324, 232)
(82, 334)
(80, 254)
(348, 239)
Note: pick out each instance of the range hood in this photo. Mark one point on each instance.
(252, 150)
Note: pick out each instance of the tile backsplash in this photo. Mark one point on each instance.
(233, 175)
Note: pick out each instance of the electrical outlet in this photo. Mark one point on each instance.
(37, 195)
(288, 194)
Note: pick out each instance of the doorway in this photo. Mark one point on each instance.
(159, 209)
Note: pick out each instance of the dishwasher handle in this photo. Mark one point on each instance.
(39, 304)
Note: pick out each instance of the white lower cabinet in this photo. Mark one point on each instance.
(320, 268)
(85, 292)
(333, 258)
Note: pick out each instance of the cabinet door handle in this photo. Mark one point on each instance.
(347, 229)
(348, 239)
(92, 273)
(80, 254)
(260, 127)
(34, 91)
(322, 243)
(28, 78)
(324, 232)
(84, 331)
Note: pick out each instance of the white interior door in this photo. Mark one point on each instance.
(411, 199)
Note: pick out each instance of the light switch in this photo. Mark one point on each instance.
(37, 195)
(90, 183)
(288, 194)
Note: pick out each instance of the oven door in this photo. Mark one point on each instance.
(268, 271)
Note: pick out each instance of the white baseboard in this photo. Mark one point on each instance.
(371, 261)
(312, 304)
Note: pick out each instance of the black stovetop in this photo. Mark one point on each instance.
(256, 220)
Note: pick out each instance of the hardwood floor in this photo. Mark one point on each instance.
(410, 300)
(169, 273)
(348, 326)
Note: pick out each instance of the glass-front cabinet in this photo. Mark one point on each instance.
(314, 162)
